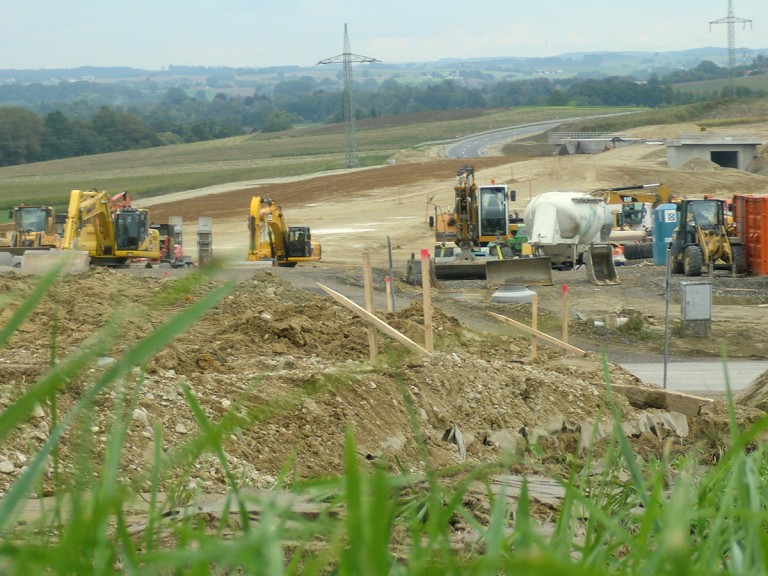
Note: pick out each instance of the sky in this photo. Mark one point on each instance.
(153, 34)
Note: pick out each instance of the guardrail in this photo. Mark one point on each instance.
(560, 137)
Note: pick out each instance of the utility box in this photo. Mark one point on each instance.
(664, 224)
(696, 314)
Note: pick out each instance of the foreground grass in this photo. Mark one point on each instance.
(669, 517)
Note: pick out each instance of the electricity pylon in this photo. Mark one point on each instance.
(731, 20)
(347, 58)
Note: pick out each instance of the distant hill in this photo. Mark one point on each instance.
(475, 70)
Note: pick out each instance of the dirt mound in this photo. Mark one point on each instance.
(700, 165)
(289, 371)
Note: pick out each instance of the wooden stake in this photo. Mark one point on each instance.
(427, 300)
(542, 335)
(371, 319)
(388, 283)
(534, 323)
(368, 287)
(565, 313)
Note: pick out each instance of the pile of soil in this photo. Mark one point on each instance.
(288, 371)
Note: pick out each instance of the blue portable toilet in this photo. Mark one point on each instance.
(664, 224)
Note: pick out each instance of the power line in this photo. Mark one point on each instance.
(730, 20)
(347, 58)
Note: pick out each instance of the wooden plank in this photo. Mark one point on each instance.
(373, 345)
(648, 397)
(371, 319)
(542, 335)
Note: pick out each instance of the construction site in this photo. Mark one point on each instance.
(278, 337)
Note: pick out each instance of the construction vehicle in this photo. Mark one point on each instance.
(112, 237)
(704, 238)
(571, 229)
(632, 209)
(271, 239)
(476, 239)
(172, 244)
(34, 228)
(121, 200)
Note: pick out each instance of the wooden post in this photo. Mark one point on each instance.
(534, 323)
(427, 299)
(565, 313)
(371, 319)
(368, 287)
(542, 335)
(388, 283)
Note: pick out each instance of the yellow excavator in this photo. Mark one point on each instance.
(112, 237)
(34, 228)
(270, 238)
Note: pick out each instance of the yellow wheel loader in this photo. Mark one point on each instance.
(34, 228)
(702, 240)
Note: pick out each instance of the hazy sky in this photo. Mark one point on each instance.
(153, 34)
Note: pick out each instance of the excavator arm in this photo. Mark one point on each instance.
(89, 220)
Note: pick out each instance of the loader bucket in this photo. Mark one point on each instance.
(600, 267)
(453, 268)
(519, 271)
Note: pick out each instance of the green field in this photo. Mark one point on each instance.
(309, 149)
(707, 87)
(156, 171)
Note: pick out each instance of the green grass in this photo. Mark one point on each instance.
(311, 149)
(707, 87)
(157, 171)
(621, 514)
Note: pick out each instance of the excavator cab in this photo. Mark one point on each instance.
(493, 211)
(299, 243)
(131, 228)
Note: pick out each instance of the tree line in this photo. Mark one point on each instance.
(83, 124)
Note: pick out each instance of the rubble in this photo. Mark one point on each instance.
(301, 361)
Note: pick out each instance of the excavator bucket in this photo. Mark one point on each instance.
(600, 267)
(536, 271)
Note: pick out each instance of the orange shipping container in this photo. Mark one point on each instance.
(750, 212)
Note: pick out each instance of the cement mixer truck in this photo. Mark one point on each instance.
(572, 229)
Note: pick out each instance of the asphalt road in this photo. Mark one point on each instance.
(701, 377)
(472, 146)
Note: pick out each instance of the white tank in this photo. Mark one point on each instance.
(567, 217)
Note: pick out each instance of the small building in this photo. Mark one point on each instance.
(726, 151)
